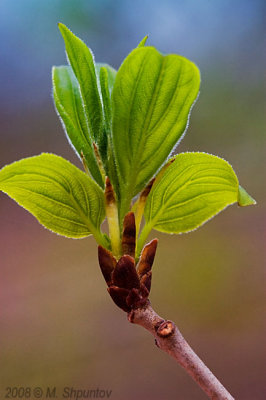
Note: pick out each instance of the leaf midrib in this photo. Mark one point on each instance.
(147, 121)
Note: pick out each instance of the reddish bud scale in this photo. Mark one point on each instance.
(129, 235)
(107, 263)
(128, 288)
(147, 257)
(144, 194)
(109, 192)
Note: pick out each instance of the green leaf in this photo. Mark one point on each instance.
(107, 75)
(106, 97)
(244, 199)
(62, 198)
(194, 188)
(143, 41)
(69, 105)
(151, 99)
(82, 63)
(111, 74)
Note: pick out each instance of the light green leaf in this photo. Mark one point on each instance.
(244, 199)
(111, 74)
(82, 63)
(151, 100)
(143, 41)
(194, 188)
(69, 105)
(62, 198)
(107, 75)
(106, 97)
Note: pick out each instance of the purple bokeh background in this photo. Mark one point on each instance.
(58, 326)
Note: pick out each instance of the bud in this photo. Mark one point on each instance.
(147, 257)
(129, 235)
(128, 287)
(107, 263)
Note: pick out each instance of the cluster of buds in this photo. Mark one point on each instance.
(128, 284)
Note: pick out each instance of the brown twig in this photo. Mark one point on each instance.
(129, 287)
(169, 339)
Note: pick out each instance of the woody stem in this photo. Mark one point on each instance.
(169, 339)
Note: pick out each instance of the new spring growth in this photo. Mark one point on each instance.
(128, 284)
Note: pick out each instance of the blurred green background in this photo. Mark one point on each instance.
(58, 326)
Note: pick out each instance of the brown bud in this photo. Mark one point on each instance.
(119, 296)
(146, 280)
(133, 298)
(107, 263)
(161, 173)
(147, 257)
(109, 192)
(125, 274)
(137, 297)
(128, 288)
(145, 192)
(144, 293)
(129, 235)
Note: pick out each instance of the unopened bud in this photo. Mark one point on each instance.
(129, 235)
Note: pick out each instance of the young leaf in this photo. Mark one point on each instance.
(106, 96)
(107, 75)
(244, 199)
(82, 63)
(143, 41)
(194, 188)
(62, 198)
(151, 100)
(111, 74)
(69, 105)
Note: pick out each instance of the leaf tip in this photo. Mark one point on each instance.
(60, 26)
(143, 41)
(63, 29)
(244, 199)
(53, 70)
